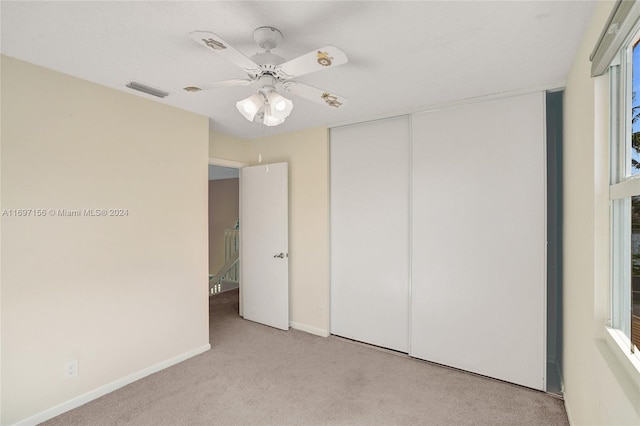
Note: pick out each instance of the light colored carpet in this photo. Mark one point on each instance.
(257, 375)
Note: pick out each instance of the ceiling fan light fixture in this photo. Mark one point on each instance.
(250, 106)
(267, 107)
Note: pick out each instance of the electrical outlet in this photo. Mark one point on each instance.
(71, 368)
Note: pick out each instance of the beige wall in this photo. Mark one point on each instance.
(120, 294)
(597, 390)
(307, 154)
(229, 148)
(223, 214)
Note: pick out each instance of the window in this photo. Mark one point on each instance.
(625, 192)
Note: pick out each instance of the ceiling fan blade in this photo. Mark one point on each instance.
(323, 58)
(314, 94)
(225, 83)
(213, 42)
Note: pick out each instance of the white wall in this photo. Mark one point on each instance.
(307, 153)
(597, 391)
(120, 294)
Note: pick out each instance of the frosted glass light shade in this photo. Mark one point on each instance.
(280, 106)
(250, 106)
(271, 119)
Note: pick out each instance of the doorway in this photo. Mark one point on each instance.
(223, 235)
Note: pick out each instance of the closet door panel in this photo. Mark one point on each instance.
(478, 238)
(370, 232)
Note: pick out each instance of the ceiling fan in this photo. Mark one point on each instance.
(267, 106)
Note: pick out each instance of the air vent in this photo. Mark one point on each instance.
(147, 89)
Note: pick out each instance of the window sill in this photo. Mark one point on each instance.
(620, 343)
(625, 365)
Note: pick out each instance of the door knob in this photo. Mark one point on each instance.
(281, 255)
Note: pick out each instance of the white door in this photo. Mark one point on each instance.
(370, 232)
(479, 236)
(264, 244)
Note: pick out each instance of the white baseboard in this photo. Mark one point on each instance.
(308, 329)
(110, 387)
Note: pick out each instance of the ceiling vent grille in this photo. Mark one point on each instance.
(147, 89)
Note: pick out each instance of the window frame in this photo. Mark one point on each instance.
(623, 186)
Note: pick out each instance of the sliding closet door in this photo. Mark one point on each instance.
(478, 222)
(370, 232)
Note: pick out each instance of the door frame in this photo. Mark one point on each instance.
(213, 161)
(221, 162)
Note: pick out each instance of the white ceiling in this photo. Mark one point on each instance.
(403, 56)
